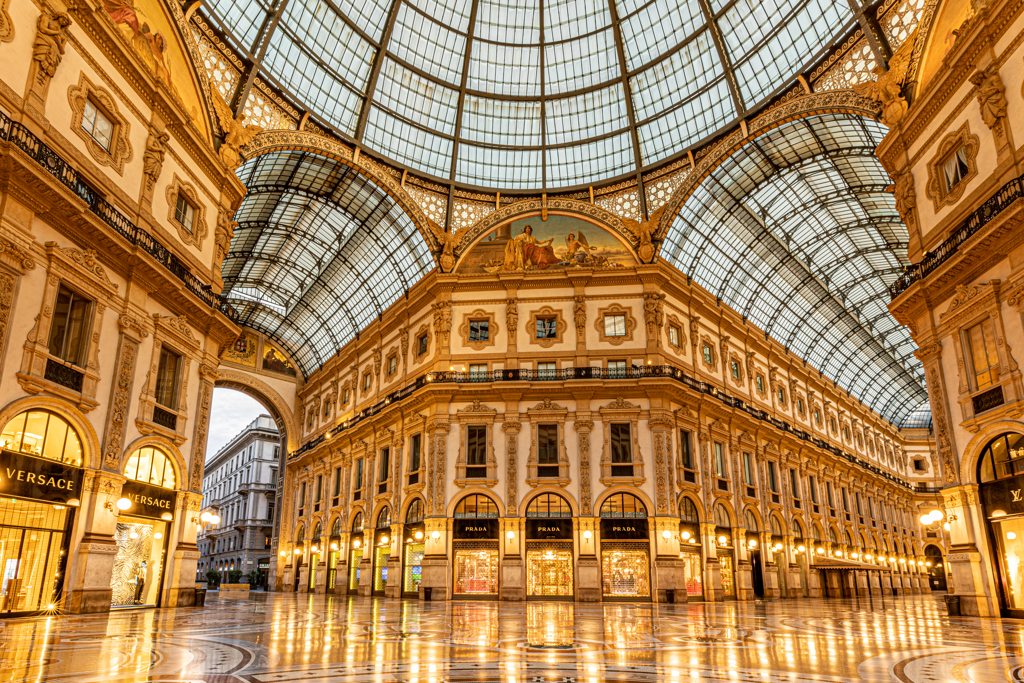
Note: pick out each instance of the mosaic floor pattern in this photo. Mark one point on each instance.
(283, 637)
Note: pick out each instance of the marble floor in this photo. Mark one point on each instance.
(283, 637)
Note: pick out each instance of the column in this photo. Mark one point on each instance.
(179, 589)
(712, 570)
(588, 568)
(88, 585)
(513, 579)
(974, 578)
(668, 570)
(436, 568)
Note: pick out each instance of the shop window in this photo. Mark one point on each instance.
(476, 506)
(686, 456)
(549, 506)
(616, 369)
(69, 329)
(44, 435)
(479, 330)
(476, 451)
(547, 328)
(1003, 457)
(981, 350)
(615, 325)
(622, 449)
(623, 506)
(547, 450)
(97, 125)
(151, 466)
(184, 212)
(414, 514)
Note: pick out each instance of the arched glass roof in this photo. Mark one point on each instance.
(797, 232)
(319, 252)
(529, 94)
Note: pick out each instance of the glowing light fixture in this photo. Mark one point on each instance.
(167, 516)
(383, 540)
(751, 543)
(418, 535)
(334, 546)
(124, 504)
(298, 551)
(509, 535)
(666, 534)
(356, 543)
(722, 540)
(587, 534)
(1010, 535)
(821, 551)
(800, 548)
(436, 535)
(686, 535)
(158, 535)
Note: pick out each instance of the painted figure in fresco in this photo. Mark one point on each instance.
(276, 363)
(524, 252)
(574, 242)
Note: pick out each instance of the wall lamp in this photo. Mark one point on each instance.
(205, 519)
(930, 521)
(123, 504)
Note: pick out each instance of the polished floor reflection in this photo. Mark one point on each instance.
(264, 638)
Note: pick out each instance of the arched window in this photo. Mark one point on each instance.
(301, 535)
(688, 511)
(44, 435)
(152, 466)
(722, 517)
(336, 527)
(384, 518)
(415, 512)
(849, 538)
(798, 531)
(476, 506)
(815, 533)
(548, 505)
(623, 506)
(316, 532)
(776, 527)
(832, 535)
(1003, 457)
(749, 521)
(357, 523)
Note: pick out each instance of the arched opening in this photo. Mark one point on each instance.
(802, 553)
(356, 549)
(414, 547)
(549, 548)
(142, 528)
(381, 550)
(690, 548)
(625, 548)
(1001, 477)
(333, 554)
(934, 563)
(724, 547)
(754, 551)
(475, 547)
(315, 551)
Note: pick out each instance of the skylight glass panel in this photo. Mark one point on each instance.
(369, 15)
(600, 159)
(687, 123)
(451, 13)
(568, 19)
(658, 28)
(768, 43)
(413, 97)
(592, 114)
(513, 22)
(581, 63)
(494, 167)
(322, 89)
(501, 122)
(504, 69)
(427, 45)
(688, 72)
(242, 18)
(326, 35)
(409, 144)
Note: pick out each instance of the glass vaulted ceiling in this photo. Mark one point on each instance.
(797, 232)
(527, 94)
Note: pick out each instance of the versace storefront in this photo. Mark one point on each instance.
(475, 547)
(625, 549)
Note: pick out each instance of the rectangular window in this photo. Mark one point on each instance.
(184, 212)
(817, 417)
(168, 378)
(773, 482)
(782, 396)
(955, 168)
(319, 488)
(708, 354)
(479, 330)
(735, 369)
(982, 352)
(794, 484)
(828, 495)
(385, 460)
(812, 483)
(846, 500)
(478, 372)
(719, 460)
(686, 450)
(616, 368)
(476, 446)
(421, 344)
(547, 328)
(748, 469)
(336, 490)
(547, 445)
(622, 446)
(344, 396)
(615, 325)
(69, 326)
(759, 381)
(97, 125)
(800, 405)
(302, 497)
(546, 371)
(414, 453)
(359, 474)
(367, 378)
(673, 335)
(860, 510)
(392, 365)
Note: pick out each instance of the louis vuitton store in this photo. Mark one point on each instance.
(1001, 473)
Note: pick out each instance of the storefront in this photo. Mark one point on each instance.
(413, 549)
(475, 548)
(690, 549)
(315, 553)
(724, 549)
(625, 549)
(142, 531)
(355, 554)
(549, 549)
(381, 551)
(1001, 473)
(39, 496)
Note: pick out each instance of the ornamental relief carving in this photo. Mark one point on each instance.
(197, 233)
(479, 315)
(119, 150)
(119, 402)
(937, 189)
(546, 312)
(16, 256)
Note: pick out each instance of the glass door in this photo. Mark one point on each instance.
(694, 568)
(381, 556)
(353, 570)
(413, 567)
(549, 572)
(728, 579)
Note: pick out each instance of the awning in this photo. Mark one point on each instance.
(840, 563)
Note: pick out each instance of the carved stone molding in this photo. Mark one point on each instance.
(120, 149)
(120, 396)
(492, 329)
(560, 326)
(936, 188)
(13, 255)
(199, 230)
(615, 309)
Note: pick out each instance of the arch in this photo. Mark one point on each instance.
(997, 459)
(623, 505)
(168, 448)
(553, 490)
(86, 434)
(613, 490)
(694, 501)
(413, 510)
(358, 522)
(777, 524)
(972, 451)
(334, 524)
(382, 517)
(543, 505)
(230, 378)
(722, 512)
(933, 550)
(799, 530)
(752, 515)
(689, 512)
(817, 531)
(479, 490)
(318, 531)
(300, 534)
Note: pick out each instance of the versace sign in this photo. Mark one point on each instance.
(25, 476)
(149, 501)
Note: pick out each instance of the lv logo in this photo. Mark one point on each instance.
(1016, 495)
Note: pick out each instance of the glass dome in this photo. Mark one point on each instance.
(528, 94)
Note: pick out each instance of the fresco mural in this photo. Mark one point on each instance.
(560, 242)
(242, 350)
(274, 360)
(151, 34)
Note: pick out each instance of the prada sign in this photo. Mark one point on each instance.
(554, 529)
(25, 476)
(476, 528)
(148, 501)
(624, 530)
(1006, 495)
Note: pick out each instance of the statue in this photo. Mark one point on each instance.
(153, 157)
(511, 318)
(447, 241)
(48, 48)
(224, 233)
(906, 198)
(991, 96)
(653, 313)
(579, 316)
(886, 90)
(236, 133)
(643, 233)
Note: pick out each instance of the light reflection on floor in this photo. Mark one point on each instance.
(285, 637)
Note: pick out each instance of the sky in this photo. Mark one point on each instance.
(231, 412)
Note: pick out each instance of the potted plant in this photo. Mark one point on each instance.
(213, 578)
(233, 582)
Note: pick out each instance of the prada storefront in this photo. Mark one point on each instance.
(549, 548)
(625, 549)
(40, 482)
(142, 530)
(475, 546)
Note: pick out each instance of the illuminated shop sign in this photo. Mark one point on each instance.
(476, 528)
(624, 529)
(154, 502)
(24, 476)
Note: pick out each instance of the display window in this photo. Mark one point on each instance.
(139, 562)
(353, 569)
(332, 568)
(33, 549)
(412, 565)
(549, 570)
(727, 573)
(693, 566)
(626, 570)
(381, 555)
(476, 569)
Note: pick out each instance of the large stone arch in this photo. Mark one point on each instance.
(239, 380)
(972, 451)
(560, 492)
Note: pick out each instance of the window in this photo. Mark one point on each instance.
(359, 477)
(782, 396)
(616, 368)
(846, 432)
(476, 449)
(336, 490)
(367, 379)
(719, 460)
(69, 328)
(414, 452)
(773, 482)
(920, 465)
(184, 212)
(860, 441)
(421, 344)
(794, 484)
(748, 469)
(319, 490)
(686, 450)
(384, 462)
(168, 376)
(622, 447)
(302, 498)
(547, 328)
(546, 371)
(708, 354)
(623, 506)
(759, 381)
(344, 396)
(478, 372)
(812, 484)
(548, 506)
(392, 365)
(615, 325)
(981, 350)
(97, 125)
(860, 510)
(817, 417)
(476, 506)
(832, 423)
(955, 168)
(828, 495)
(800, 405)
(479, 330)
(735, 365)
(327, 409)
(151, 466)
(547, 449)
(846, 500)
(673, 335)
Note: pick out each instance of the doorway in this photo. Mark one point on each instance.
(756, 573)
